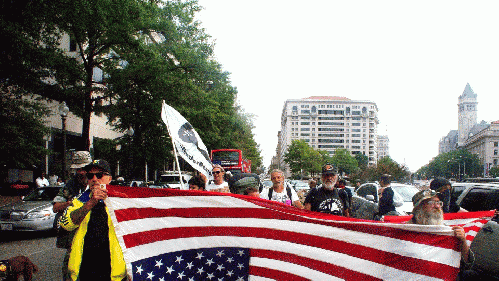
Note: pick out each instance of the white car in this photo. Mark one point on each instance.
(365, 201)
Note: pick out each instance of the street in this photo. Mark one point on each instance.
(39, 248)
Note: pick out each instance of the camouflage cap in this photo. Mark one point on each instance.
(422, 195)
(80, 159)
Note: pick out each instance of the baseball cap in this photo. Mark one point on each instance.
(422, 195)
(437, 183)
(101, 164)
(329, 169)
(80, 159)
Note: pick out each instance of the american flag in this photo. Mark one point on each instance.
(168, 234)
(472, 222)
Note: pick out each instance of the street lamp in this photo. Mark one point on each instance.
(130, 133)
(63, 111)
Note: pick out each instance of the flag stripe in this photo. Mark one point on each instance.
(330, 269)
(275, 274)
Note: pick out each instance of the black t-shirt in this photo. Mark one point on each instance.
(328, 201)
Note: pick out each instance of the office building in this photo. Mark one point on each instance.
(328, 123)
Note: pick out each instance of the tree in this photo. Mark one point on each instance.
(22, 131)
(456, 164)
(385, 165)
(304, 160)
(344, 161)
(362, 160)
(494, 172)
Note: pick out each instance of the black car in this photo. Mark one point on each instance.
(476, 196)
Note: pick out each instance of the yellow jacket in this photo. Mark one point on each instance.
(118, 269)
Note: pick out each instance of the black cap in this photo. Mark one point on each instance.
(101, 164)
(329, 169)
(438, 183)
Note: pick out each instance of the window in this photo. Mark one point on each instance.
(305, 118)
(295, 108)
(305, 111)
(479, 199)
(495, 151)
(304, 134)
(305, 129)
(496, 143)
(305, 123)
(355, 124)
(355, 135)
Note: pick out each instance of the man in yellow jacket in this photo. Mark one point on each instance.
(95, 252)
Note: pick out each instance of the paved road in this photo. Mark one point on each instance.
(39, 247)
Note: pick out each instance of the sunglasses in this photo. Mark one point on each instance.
(98, 175)
(217, 172)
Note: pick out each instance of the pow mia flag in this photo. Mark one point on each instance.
(186, 140)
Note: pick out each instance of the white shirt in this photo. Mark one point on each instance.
(42, 182)
(212, 186)
(280, 196)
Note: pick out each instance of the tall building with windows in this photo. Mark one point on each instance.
(383, 146)
(327, 123)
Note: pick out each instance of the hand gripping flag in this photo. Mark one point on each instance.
(171, 234)
(186, 140)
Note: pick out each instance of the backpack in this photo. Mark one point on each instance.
(288, 190)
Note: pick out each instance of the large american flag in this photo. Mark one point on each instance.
(171, 234)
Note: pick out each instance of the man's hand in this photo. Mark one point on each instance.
(98, 194)
(459, 233)
(21, 265)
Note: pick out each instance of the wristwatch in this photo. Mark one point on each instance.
(4, 269)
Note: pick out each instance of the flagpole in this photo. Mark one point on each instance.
(174, 150)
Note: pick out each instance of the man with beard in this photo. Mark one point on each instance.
(326, 198)
(428, 211)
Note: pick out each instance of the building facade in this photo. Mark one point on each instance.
(383, 146)
(327, 123)
(485, 144)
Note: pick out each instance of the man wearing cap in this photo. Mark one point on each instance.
(95, 252)
(428, 211)
(326, 198)
(443, 187)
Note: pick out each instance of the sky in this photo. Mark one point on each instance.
(412, 58)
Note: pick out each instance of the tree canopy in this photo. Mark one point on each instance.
(146, 51)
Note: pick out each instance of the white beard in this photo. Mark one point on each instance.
(329, 185)
(428, 218)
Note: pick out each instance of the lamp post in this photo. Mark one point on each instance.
(63, 111)
(130, 133)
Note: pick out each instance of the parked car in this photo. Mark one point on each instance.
(172, 180)
(476, 196)
(301, 185)
(33, 213)
(365, 200)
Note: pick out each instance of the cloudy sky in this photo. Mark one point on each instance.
(412, 58)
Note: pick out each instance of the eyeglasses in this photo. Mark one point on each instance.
(436, 203)
(217, 172)
(98, 175)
